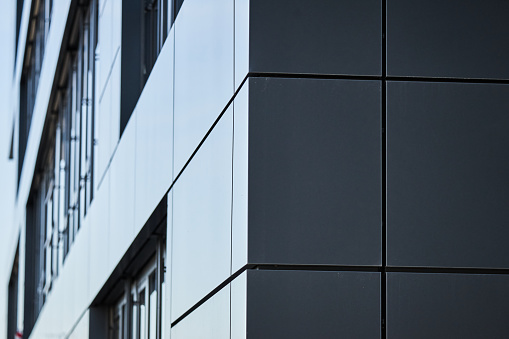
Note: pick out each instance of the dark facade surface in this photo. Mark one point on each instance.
(447, 305)
(407, 173)
(449, 39)
(447, 188)
(446, 166)
(306, 304)
(315, 171)
(329, 37)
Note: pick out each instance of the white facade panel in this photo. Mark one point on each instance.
(76, 277)
(201, 230)
(154, 136)
(203, 69)
(115, 80)
(122, 196)
(81, 331)
(116, 26)
(105, 43)
(240, 178)
(211, 320)
(103, 139)
(239, 307)
(99, 216)
(241, 41)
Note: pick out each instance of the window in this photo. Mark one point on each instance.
(36, 40)
(19, 9)
(12, 303)
(138, 313)
(44, 233)
(177, 4)
(154, 33)
(74, 132)
(62, 187)
(142, 39)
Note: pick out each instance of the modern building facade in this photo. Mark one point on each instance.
(255, 169)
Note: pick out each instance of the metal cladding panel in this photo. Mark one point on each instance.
(314, 172)
(426, 305)
(154, 136)
(238, 308)
(240, 174)
(447, 182)
(313, 304)
(122, 196)
(322, 37)
(204, 66)
(241, 41)
(201, 231)
(211, 320)
(457, 38)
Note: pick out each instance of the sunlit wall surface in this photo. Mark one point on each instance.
(256, 169)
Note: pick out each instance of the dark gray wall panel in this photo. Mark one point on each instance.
(447, 174)
(312, 304)
(454, 38)
(447, 306)
(322, 37)
(314, 171)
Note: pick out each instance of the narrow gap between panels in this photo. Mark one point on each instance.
(312, 76)
(327, 268)
(447, 80)
(449, 270)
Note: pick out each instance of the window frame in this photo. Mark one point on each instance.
(134, 323)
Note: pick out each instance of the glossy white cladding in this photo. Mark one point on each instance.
(108, 84)
(211, 320)
(203, 71)
(81, 331)
(122, 183)
(102, 139)
(99, 215)
(109, 39)
(154, 135)
(241, 41)
(201, 231)
(239, 307)
(240, 178)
